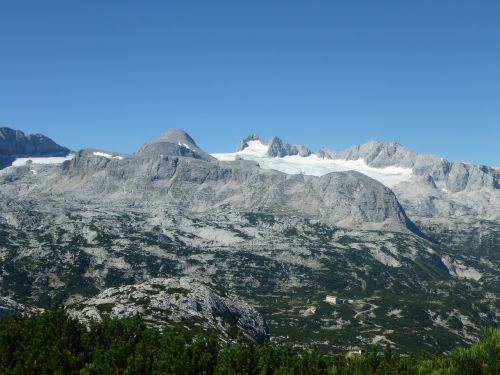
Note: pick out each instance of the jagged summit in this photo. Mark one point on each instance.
(280, 148)
(276, 147)
(244, 142)
(175, 142)
(252, 137)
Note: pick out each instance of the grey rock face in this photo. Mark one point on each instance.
(176, 143)
(378, 154)
(166, 301)
(456, 176)
(241, 146)
(471, 177)
(280, 148)
(14, 143)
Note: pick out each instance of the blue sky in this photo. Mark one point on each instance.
(115, 74)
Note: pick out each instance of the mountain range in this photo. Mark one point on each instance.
(411, 241)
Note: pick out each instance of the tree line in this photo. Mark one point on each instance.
(51, 342)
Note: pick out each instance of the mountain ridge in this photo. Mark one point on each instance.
(455, 175)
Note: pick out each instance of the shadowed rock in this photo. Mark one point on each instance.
(14, 144)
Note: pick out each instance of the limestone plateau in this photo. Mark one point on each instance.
(253, 241)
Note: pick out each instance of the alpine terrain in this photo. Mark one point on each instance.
(405, 246)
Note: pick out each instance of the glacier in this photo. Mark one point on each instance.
(314, 165)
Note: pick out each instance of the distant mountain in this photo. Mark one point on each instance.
(454, 176)
(15, 144)
(296, 159)
(436, 193)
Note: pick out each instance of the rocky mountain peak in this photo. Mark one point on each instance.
(175, 142)
(276, 147)
(280, 148)
(175, 136)
(252, 137)
(244, 142)
(16, 143)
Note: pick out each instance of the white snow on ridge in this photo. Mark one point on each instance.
(313, 165)
(183, 145)
(107, 156)
(42, 160)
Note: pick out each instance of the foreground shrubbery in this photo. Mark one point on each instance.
(51, 342)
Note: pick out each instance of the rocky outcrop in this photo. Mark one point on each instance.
(280, 148)
(166, 301)
(9, 307)
(244, 142)
(276, 147)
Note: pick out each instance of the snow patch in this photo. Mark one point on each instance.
(313, 165)
(42, 160)
(183, 145)
(107, 156)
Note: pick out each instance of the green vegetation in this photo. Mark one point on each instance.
(259, 217)
(182, 291)
(419, 305)
(105, 307)
(53, 343)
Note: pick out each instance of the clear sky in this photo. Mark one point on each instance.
(115, 74)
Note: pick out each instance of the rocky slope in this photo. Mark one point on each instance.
(451, 200)
(167, 301)
(282, 242)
